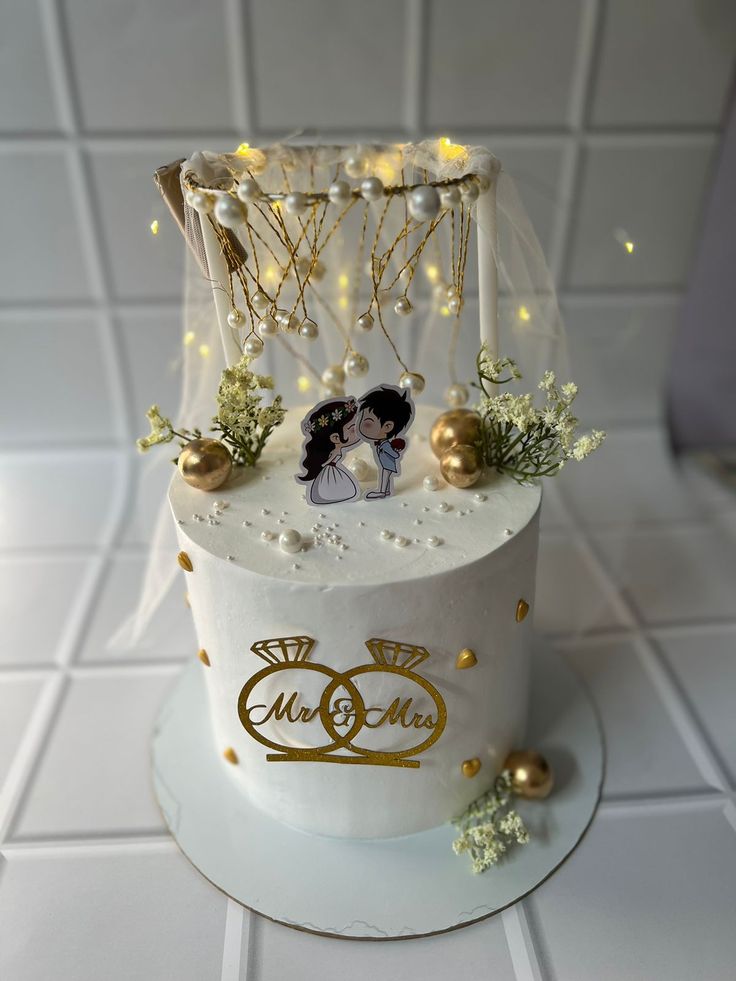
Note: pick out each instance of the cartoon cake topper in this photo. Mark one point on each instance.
(385, 413)
(330, 430)
(338, 425)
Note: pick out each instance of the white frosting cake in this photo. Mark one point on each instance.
(371, 684)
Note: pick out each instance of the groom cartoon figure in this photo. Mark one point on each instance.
(384, 413)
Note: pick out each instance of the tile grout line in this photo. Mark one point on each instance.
(27, 756)
(416, 14)
(232, 942)
(591, 18)
(520, 943)
(238, 62)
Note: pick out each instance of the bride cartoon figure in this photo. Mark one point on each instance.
(330, 430)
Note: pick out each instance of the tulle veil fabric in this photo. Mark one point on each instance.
(430, 341)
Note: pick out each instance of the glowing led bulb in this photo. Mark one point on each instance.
(449, 150)
(445, 311)
(629, 246)
(204, 350)
(342, 281)
(343, 302)
(303, 383)
(432, 273)
(242, 150)
(154, 226)
(524, 314)
(189, 338)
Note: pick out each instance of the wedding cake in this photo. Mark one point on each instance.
(373, 682)
(361, 568)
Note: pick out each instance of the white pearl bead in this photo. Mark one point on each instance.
(267, 536)
(356, 165)
(430, 482)
(248, 190)
(424, 203)
(189, 197)
(339, 192)
(308, 330)
(203, 203)
(455, 305)
(290, 540)
(281, 314)
(400, 541)
(333, 376)
(387, 535)
(229, 211)
(403, 306)
(456, 395)
(361, 470)
(302, 266)
(332, 391)
(289, 323)
(235, 318)
(443, 506)
(267, 327)
(364, 322)
(296, 203)
(253, 347)
(470, 191)
(433, 541)
(450, 196)
(372, 188)
(356, 365)
(413, 381)
(260, 301)
(450, 291)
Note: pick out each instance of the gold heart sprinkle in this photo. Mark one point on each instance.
(466, 659)
(184, 561)
(203, 657)
(470, 768)
(522, 608)
(230, 755)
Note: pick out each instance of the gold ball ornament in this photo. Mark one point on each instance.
(205, 464)
(461, 465)
(453, 428)
(531, 775)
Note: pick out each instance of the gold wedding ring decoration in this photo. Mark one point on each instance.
(346, 716)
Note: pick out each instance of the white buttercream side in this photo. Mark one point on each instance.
(463, 594)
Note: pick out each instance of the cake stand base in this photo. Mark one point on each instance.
(382, 889)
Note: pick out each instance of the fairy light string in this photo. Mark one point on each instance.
(291, 230)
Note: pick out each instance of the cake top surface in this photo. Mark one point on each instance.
(415, 533)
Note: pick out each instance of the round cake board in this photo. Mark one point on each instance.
(380, 889)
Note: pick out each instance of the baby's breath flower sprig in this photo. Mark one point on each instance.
(162, 431)
(243, 422)
(519, 438)
(490, 827)
(245, 425)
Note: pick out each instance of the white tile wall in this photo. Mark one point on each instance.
(663, 63)
(93, 96)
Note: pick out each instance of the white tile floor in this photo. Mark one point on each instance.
(92, 887)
